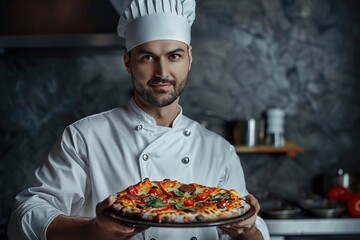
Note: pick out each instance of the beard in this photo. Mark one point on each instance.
(160, 98)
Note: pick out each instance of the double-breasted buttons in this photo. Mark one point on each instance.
(187, 132)
(185, 160)
(139, 127)
(145, 157)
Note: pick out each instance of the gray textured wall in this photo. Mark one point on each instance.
(249, 55)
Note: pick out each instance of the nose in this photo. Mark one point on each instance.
(162, 69)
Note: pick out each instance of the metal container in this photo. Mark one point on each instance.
(323, 183)
(327, 212)
(322, 207)
(248, 132)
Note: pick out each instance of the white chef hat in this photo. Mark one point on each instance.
(148, 20)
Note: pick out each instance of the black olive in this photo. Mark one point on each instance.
(199, 218)
(165, 220)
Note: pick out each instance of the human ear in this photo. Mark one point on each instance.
(190, 56)
(127, 62)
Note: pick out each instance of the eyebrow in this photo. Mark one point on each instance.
(176, 50)
(144, 51)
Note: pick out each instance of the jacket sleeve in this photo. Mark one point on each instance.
(60, 187)
(234, 179)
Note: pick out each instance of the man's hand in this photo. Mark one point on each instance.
(100, 227)
(245, 229)
(104, 227)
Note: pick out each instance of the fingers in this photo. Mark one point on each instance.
(248, 223)
(105, 227)
(125, 228)
(106, 203)
(253, 201)
(101, 207)
(246, 226)
(239, 228)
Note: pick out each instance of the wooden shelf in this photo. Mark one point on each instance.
(290, 148)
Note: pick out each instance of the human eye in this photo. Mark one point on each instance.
(146, 58)
(174, 57)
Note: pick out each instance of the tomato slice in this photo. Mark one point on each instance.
(201, 196)
(208, 190)
(221, 204)
(132, 189)
(188, 202)
(153, 191)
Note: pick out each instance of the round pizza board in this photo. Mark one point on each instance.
(141, 223)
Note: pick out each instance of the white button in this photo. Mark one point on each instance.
(139, 127)
(185, 160)
(145, 157)
(187, 132)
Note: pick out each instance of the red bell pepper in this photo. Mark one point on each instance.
(169, 194)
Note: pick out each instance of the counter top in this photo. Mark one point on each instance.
(313, 226)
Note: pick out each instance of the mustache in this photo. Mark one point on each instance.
(158, 80)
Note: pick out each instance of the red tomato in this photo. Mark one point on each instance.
(336, 192)
(201, 196)
(343, 199)
(208, 190)
(132, 189)
(221, 204)
(188, 203)
(353, 205)
(153, 191)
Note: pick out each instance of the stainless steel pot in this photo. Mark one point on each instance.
(248, 132)
(349, 180)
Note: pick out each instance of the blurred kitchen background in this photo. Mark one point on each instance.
(61, 61)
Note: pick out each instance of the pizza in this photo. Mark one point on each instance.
(170, 201)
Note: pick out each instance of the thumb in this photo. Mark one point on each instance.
(106, 203)
(249, 198)
(253, 201)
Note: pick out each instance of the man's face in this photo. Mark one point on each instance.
(159, 71)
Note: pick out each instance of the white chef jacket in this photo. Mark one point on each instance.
(104, 153)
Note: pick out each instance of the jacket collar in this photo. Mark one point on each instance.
(143, 116)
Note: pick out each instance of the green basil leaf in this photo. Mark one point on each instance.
(179, 206)
(178, 192)
(218, 199)
(156, 203)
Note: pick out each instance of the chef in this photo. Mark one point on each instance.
(149, 137)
